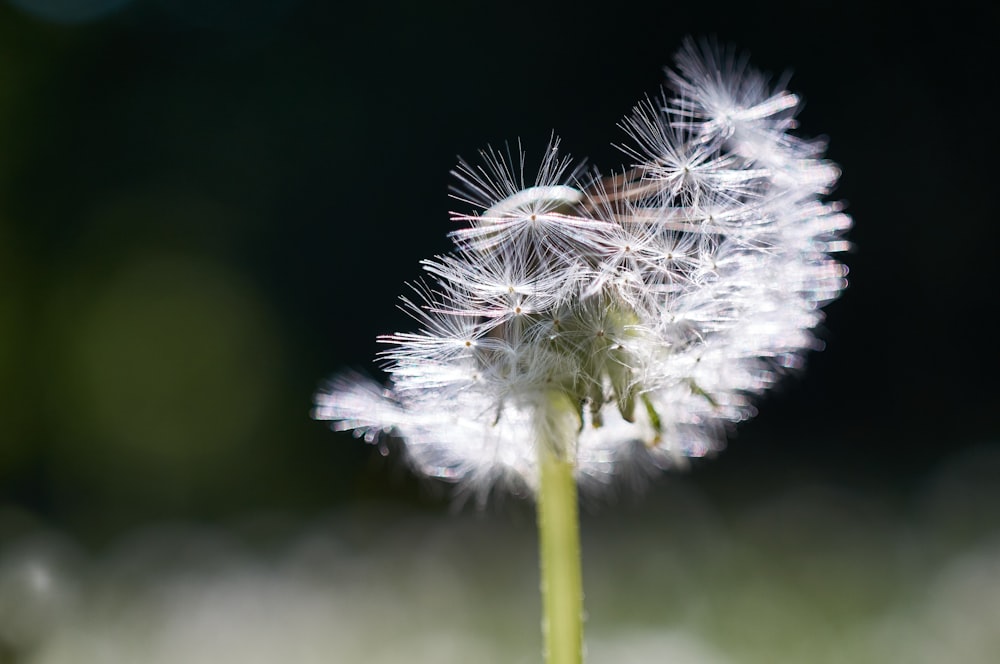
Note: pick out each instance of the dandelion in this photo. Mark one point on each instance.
(584, 326)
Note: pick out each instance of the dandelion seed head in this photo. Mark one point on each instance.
(653, 304)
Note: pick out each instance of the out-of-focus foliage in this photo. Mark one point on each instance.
(160, 329)
(806, 573)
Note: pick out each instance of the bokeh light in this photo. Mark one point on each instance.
(169, 361)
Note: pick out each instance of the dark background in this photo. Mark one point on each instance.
(208, 207)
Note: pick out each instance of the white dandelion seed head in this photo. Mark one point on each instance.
(655, 303)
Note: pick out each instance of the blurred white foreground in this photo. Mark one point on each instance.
(811, 575)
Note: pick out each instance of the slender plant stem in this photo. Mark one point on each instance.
(559, 543)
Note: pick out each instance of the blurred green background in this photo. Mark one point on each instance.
(208, 207)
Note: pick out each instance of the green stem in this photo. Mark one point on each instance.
(559, 542)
